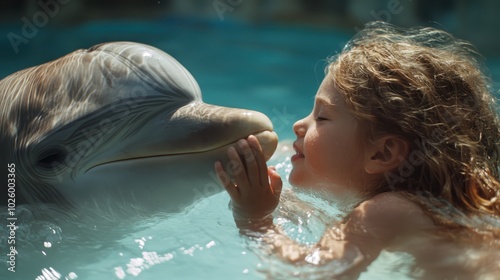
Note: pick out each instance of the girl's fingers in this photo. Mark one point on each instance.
(260, 160)
(248, 170)
(252, 168)
(238, 169)
(254, 189)
(276, 182)
(225, 180)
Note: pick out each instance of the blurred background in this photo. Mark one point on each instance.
(477, 21)
(22, 21)
(236, 48)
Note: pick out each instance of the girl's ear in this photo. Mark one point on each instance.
(386, 154)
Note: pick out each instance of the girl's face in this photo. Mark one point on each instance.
(328, 151)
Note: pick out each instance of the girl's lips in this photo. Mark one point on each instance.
(298, 155)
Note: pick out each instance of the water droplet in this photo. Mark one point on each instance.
(210, 244)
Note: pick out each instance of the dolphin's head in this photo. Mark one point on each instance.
(118, 123)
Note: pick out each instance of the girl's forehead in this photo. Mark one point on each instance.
(327, 92)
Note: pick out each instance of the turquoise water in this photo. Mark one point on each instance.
(269, 68)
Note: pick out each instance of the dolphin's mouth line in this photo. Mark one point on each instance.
(173, 154)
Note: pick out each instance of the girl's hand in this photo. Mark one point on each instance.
(253, 187)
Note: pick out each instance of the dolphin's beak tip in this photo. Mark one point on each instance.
(268, 140)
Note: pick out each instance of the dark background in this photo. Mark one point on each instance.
(477, 21)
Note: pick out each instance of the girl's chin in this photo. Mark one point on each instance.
(301, 177)
(297, 181)
(294, 178)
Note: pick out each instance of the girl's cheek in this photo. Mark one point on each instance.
(313, 150)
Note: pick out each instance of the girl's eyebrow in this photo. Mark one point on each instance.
(324, 101)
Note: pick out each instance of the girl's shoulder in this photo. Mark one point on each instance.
(388, 215)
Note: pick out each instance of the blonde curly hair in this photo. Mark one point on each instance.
(428, 87)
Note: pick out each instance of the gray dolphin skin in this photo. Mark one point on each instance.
(120, 126)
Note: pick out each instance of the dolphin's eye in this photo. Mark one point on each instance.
(52, 158)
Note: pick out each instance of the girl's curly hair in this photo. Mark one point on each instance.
(428, 87)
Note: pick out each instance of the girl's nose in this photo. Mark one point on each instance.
(299, 128)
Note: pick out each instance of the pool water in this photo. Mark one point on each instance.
(270, 68)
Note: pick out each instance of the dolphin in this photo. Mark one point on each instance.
(119, 126)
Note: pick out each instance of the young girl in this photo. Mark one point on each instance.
(404, 122)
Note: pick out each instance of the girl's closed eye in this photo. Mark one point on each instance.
(323, 110)
(323, 114)
(321, 118)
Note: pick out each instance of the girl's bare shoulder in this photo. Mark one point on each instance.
(388, 215)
